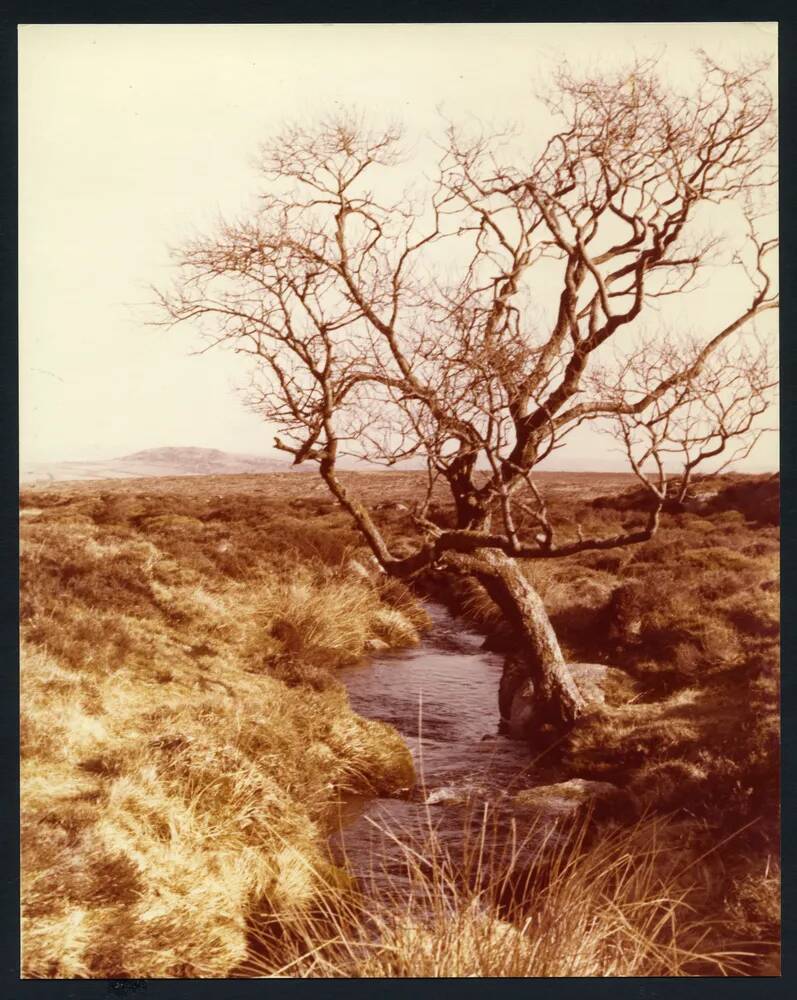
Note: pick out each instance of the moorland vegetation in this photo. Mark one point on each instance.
(184, 738)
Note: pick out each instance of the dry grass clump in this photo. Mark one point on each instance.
(543, 902)
(171, 784)
(753, 904)
(328, 618)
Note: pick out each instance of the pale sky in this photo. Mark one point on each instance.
(134, 136)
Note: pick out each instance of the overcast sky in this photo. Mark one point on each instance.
(133, 136)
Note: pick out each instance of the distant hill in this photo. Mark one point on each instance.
(154, 462)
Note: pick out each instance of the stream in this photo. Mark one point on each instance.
(442, 696)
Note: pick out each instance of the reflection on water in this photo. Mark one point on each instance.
(442, 696)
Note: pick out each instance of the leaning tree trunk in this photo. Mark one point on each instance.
(539, 673)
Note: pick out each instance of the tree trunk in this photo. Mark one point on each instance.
(551, 692)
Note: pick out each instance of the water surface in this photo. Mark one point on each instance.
(442, 696)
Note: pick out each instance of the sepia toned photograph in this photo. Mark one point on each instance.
(399, 501)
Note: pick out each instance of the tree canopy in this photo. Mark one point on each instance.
(476, 320)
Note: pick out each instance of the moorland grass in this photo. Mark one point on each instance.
(171, 781)
(183, 735)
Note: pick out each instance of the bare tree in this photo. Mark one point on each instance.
(711, 414)
(390, 325)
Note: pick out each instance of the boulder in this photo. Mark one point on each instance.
(591, 680)
(699, 501)
(567, 797)
(625, 611)
(447, 796)
(597, 683)
(603, 685)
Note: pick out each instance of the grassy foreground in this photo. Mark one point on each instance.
(180, 741)
(183, 737)
(547, 903)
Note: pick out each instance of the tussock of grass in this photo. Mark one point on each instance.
(332, 620)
